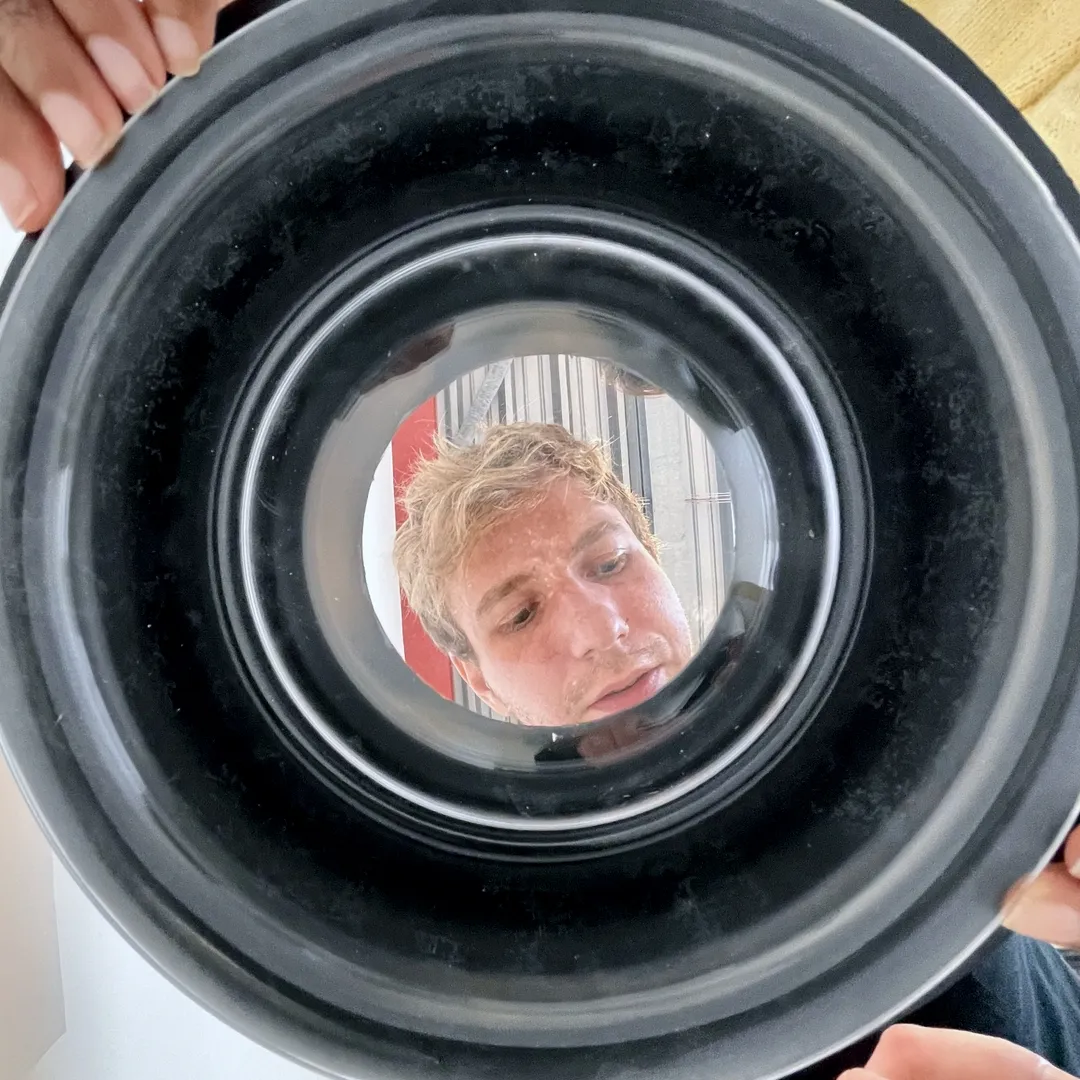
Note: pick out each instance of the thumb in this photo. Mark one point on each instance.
(907, 1052)
(1048, 908)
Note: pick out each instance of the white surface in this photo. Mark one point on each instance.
(127, 1022)
(380, 526)
(124, 1020)
(9, 241)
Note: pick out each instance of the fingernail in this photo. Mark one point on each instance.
(182, 53)
(1075, 869)
(76, 127)
(125, 75)
(16, 196)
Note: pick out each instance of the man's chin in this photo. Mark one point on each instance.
(644, 688)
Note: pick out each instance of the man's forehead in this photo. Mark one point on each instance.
(563, 525)
(509, 555)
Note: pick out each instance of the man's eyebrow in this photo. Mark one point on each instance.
(500, 592)
(592, 534)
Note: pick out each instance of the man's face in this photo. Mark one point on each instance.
(569, 617)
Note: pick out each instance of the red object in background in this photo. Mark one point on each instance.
(414, 440)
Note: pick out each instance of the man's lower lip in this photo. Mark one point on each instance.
(638, 691)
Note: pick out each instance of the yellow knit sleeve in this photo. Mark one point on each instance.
(1031, 49)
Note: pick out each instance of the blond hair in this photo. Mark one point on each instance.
(457, 495)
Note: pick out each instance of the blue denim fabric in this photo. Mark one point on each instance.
(1022, 990)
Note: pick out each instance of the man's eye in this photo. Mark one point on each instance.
(520, 618)
(612, 565)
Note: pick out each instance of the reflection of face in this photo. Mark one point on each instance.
(569, 617)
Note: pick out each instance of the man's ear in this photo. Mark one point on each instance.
(470, 671)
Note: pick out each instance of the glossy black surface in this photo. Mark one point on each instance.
(923, 278)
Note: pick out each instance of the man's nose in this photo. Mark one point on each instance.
(590, 619)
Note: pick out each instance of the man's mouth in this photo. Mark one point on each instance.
(628, 692)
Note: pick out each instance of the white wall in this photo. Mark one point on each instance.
(9, 241)
(380, 526)
(124, 1020)
(127, 1022)
(31, 989)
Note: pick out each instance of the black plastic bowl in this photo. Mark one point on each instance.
(861, 255)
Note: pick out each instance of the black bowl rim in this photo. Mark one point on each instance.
(184, 952)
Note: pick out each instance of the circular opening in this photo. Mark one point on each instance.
(294, 485)
(467, 457)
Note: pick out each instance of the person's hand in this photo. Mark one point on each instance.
(907, 1052)
(1048, 907)
(69, 71)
